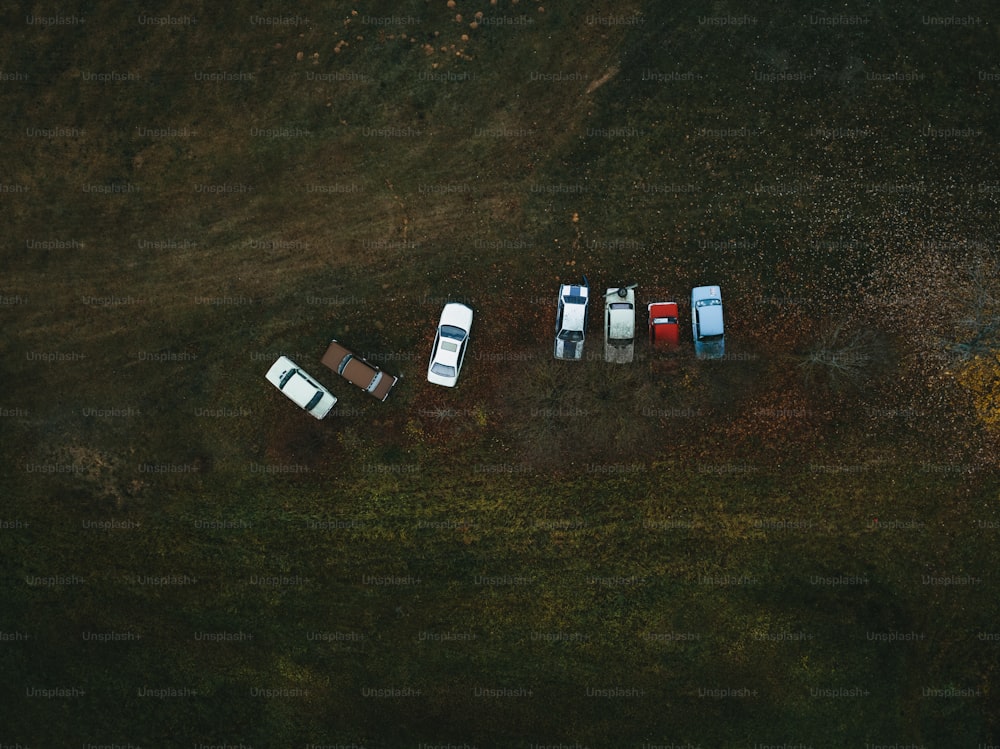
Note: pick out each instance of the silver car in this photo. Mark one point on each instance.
(619, 325)
(706, 322)
(571, 321)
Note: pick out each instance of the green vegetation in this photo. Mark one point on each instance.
(722, 553)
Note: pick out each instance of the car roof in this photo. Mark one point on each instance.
(621, 313)
(299, 389)
(710, 319)
(444, 356)
(621, 323)
(359, 372)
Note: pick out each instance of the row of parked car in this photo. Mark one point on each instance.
(707, 325)
(451, 342)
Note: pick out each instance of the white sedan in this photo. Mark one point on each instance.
(450, 345)
(315, 399)
(571, 320)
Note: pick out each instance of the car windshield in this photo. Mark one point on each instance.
(710, 337)
(443, 369)
(574, 336)
(665, 321)
(450, 331)
(708, 302)
(621, 305)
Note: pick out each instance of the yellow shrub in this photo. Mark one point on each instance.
(981, 376)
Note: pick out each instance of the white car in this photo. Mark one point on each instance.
(706, 322)
(450, 345)
(285, 375)
(571, 320)
(619, 325)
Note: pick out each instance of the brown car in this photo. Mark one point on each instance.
(359, 372)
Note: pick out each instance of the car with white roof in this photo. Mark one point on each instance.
(571, 320)
(450, 345)
(619, 325)
(302, 389)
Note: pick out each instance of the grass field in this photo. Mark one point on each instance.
(743, 553)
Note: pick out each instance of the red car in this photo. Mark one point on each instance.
(663, 327)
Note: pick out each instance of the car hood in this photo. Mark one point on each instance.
(458, 315)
